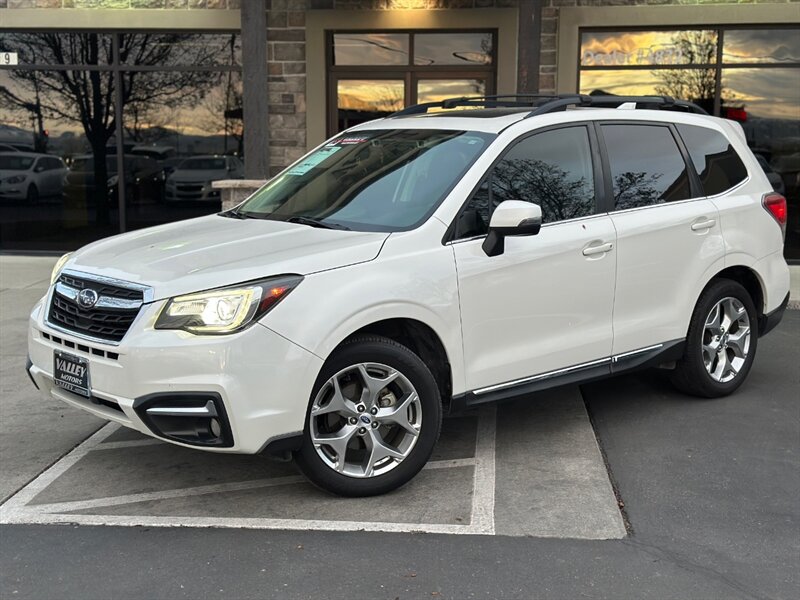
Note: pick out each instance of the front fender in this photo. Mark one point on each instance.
(328, 307)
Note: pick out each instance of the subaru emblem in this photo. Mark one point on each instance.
(87, 298)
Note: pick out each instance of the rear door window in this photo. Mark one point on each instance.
(647, 167)
(715, 160)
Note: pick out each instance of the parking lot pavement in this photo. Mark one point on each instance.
(34, 431)
(480, 480)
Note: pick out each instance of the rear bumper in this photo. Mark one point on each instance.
(769, 321)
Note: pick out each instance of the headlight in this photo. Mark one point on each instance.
(59, 265)
(14, 179)
(225, 310)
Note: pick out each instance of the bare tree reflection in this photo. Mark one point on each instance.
(698, 85)
(632, 190)
(87, 97)
(560, 194)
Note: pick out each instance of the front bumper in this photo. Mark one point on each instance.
(13, 193)
(263, 381)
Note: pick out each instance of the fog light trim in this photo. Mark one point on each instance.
(193, 418)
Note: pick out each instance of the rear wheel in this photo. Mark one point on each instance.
(721, 344)
(373, 419)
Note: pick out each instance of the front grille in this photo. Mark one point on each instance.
(103, 289)
(109, 319)
(190, 187)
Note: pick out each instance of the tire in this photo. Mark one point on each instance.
(718, 358)
(345, 412)
(32, 197)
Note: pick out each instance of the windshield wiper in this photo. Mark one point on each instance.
(234, 214)
(316, 223)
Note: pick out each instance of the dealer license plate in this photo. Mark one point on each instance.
(71, 373)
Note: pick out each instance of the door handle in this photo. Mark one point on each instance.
(601, 249)
(701, 225)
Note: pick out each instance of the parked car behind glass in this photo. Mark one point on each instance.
(192, 178)
(144, 179)
(29, 176)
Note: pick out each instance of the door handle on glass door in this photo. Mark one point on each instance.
(601, 249)
(702, 225)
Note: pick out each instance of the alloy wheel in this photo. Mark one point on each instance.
(726, 339)
(365, 420)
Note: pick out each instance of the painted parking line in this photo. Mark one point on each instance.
(19, 509)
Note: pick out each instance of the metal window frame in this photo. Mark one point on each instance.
(410, 73)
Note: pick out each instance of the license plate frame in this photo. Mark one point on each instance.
(71, 373)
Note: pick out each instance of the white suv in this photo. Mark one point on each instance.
(421, 264)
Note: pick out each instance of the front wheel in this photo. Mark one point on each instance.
(373, 419)
(721, 343)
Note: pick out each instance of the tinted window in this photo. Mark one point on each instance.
(717, 163)
(646, 166)
(552, 169)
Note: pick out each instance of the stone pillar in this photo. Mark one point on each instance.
(234, 191)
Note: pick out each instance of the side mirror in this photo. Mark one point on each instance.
(512, 217)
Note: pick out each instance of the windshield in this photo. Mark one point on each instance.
(15, 163)
(377, 180)
(203, 164)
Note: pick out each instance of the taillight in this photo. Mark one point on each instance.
(776, 206)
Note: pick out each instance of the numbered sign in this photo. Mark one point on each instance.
(7, 58)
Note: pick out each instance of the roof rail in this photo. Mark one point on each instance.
(611, 101)
(502, 101)
(547, 103)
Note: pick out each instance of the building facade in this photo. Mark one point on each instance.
(144, 102)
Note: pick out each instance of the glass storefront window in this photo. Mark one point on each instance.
(697, 85)
(63, 208)
(436, 90)
(361, 100)
(180, 49)
(777, 46)
(453, 49)
(57, 48)
(371, 49)
(59, 108)
(189, 138)
(769, 100)
(630, 48)
(373, 74)
(757, 83)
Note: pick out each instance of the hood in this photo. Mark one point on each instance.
(214, 251)
(180, 175)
